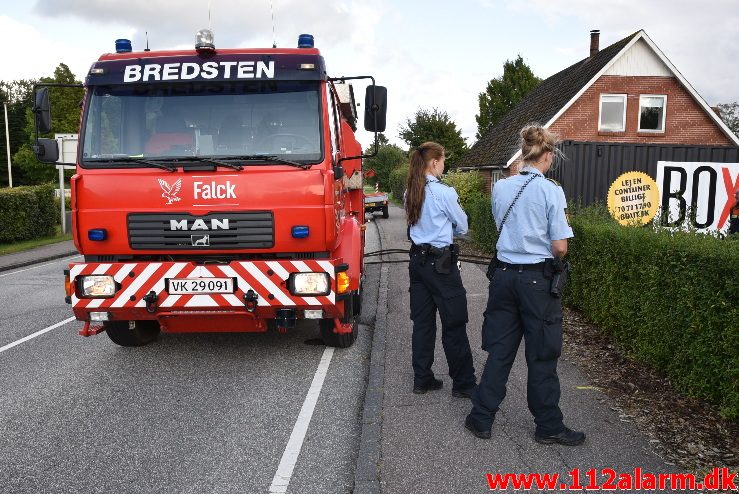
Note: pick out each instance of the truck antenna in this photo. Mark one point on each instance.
(147, 41)
(209, 14)
(272, 11)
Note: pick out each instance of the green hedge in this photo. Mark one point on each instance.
(398, 178)
(669, 299)
(482, 227)
(469, 186)
(26, 213)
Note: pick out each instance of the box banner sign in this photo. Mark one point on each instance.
(697, 195)
(633, 199)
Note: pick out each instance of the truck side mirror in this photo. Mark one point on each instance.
(375, 108)
(46, 150)
(42, 109)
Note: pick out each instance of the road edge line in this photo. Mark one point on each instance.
(37, 333)
(284, 472)
(36, 262)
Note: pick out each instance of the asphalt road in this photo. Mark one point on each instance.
(187, 414)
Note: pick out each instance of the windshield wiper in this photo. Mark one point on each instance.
(215, 161)
(128, 159)
(268, 159)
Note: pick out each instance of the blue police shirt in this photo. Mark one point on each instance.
(441, 215)
(537, 218)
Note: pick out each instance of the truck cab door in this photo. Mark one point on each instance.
(334, 121)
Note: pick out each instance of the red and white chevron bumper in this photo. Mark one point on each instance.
(268, 279)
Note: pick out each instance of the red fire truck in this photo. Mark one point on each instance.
(217, 190)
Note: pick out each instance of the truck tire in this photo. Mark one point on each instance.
(142, 333)
(340, 340)
(385, 213)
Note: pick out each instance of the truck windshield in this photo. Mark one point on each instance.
(217, 120)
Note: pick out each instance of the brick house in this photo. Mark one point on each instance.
(628, 93)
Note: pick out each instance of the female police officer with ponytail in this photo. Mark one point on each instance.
(434, 215)
(524, 293)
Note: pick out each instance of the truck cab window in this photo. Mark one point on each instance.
(216, 119)
(333, 121)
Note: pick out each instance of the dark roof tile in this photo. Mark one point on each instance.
(500, 142)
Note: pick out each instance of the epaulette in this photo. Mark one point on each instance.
(554, 182)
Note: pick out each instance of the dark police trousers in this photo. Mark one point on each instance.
(519, 305)
(430, 291)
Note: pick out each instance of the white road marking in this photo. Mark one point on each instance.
(40, 265)
(37, 333)
(290, 457)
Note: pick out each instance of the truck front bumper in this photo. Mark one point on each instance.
(261, 292)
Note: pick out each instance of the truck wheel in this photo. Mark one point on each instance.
(143, 332)
(385, 213)
(340, 340)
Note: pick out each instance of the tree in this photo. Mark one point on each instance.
(389, 157)
(17, 94)
(434, 125)
(65, 113)
(504, 93)
(730, 116)
(382, 140)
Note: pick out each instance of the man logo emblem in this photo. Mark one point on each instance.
(200, 240)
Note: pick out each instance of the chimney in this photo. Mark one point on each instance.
(594, 41)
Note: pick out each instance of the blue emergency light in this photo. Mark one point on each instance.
(300, 232)
(123, 46)
(97, 234)
(305, 41)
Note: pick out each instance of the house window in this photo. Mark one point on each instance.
(652, 112)
(612, 112)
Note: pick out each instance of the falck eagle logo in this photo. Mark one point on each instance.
(170, 193)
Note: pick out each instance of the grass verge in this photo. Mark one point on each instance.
(36, 242)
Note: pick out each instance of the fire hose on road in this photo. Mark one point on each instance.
(468, 258)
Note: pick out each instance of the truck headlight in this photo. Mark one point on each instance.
(96, 286)
(309, 284)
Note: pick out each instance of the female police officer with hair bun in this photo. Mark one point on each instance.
(524, 294)
(434, 215)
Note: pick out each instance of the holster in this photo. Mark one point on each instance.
(446, 258)
(444, 262)
(559, 270)
(491, 269)
(454, 248)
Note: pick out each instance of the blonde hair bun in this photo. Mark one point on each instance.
(535, 141)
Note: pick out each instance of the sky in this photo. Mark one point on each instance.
(429, 54)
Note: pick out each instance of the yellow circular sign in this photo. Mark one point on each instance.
(633, 199)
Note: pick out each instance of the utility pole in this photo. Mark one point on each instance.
(7, 142)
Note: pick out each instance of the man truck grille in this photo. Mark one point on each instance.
(154, 231)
